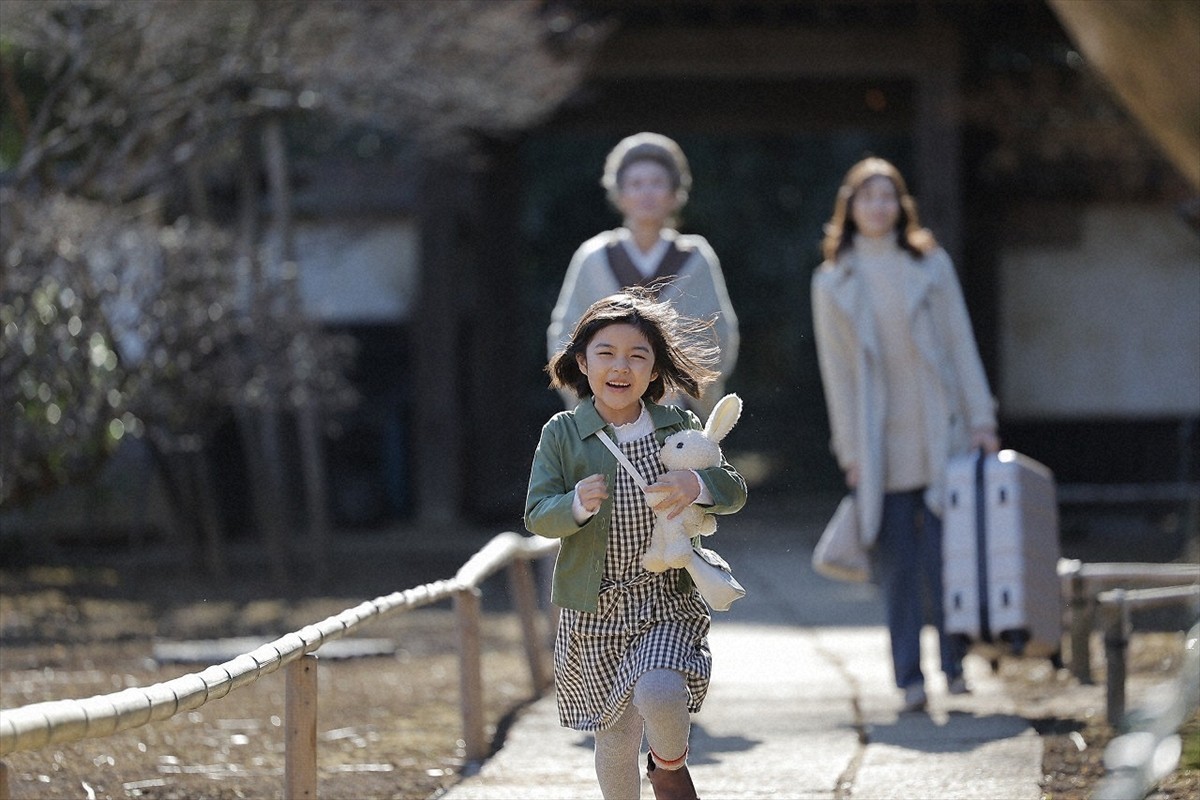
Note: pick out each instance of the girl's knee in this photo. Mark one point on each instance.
(660, 689)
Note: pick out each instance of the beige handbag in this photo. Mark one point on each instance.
(714, 579)
(839, 553)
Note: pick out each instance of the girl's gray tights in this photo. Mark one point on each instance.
(660, 699)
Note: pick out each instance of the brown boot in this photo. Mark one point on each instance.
(670, 784)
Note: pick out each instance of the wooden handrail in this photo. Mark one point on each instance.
(39, 725)
(1082, 582)
(505, 549)
(1103, 572)
(1118, 627)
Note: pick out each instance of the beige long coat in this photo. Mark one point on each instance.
(954, 389)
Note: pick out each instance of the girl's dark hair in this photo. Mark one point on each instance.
(840, 230)
(684, 348)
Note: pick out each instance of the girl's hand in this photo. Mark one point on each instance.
(591, 491)
(986, 440)
(673, 492)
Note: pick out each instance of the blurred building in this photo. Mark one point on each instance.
(1075, 238)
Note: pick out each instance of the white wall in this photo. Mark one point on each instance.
(358, 271)
(1110, 326)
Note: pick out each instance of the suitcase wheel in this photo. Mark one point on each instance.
(1017, 640)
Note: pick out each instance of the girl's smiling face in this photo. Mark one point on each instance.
(619, 365)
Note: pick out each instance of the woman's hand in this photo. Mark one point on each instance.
(673, 492)
(985, 439)
(591, 491)
(852, 476)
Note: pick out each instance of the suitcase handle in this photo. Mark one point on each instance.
(985, 628)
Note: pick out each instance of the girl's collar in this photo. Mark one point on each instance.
(642, 415)
(588, 420)
(637, 429)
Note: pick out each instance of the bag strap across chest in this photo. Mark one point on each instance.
(623, 460)
(627, 274)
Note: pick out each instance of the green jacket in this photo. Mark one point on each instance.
(568, 452)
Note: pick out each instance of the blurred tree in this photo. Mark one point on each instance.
(125, 310)
(123, 327)
(131, 90)
(1148, 51)
(65, 399)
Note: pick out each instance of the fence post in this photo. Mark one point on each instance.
(1081, 629)
(470, 668)
(520, 573)
(544, 573)
(5, 793)
(300, 712)
(1116, 643)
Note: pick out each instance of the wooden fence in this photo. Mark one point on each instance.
(1137, 760)
(1084, 583)
(1117, 606)
(39, 725)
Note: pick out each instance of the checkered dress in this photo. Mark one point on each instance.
(641, 623)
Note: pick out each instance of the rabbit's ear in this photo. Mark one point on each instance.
(724, 416)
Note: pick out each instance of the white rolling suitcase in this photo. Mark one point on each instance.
(1000, 556)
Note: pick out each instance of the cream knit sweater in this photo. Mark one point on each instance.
(906, 456)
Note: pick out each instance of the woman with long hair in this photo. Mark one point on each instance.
(905, 391)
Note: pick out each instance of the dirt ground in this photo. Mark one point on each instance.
(388, 725)
(1070, 717)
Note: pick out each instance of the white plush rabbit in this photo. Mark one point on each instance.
(671, 540)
